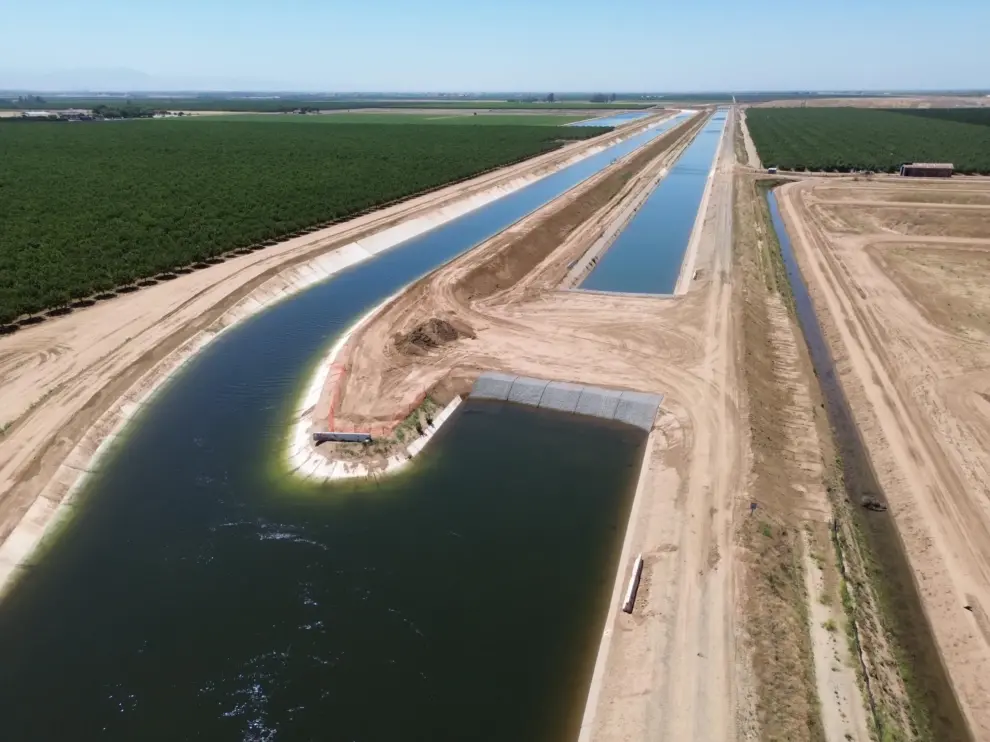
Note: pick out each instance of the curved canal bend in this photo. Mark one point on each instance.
(198, 592)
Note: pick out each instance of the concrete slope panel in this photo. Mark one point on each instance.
(632, 408)
(638, 408)
(562, 396)
(527, 391)
(598, 402)
(493, 386)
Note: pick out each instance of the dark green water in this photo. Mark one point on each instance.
(461, 600)
(198, 595)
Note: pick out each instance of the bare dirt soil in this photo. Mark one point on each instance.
(903, 293)
(752, 156)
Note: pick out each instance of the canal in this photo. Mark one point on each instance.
(935, 706)
(617, 120)
(646, 257)
(197, 592)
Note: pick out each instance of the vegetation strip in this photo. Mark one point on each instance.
(90, 207)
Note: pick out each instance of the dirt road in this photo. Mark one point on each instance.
(901, 290)
(752, 156)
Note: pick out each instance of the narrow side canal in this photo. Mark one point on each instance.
(197, 592)
(646, 257)
(892, 577)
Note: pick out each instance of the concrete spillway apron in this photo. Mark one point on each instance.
(633, 408)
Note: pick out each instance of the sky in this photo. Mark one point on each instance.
(495, 45)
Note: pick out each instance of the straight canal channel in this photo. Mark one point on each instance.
(917, 651)
(646, 257)
(198, 592)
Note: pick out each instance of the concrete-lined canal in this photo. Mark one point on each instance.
(616, 120)
(646, 257)
(198, 592)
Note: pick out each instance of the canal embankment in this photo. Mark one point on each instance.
(503, 262)
(81, 444)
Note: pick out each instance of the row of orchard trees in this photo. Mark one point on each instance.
(86, 208)
(843, 139)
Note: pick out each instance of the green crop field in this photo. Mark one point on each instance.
(85, 208)
(843, 139)
(445, 118)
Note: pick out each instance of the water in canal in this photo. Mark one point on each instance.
(936, 706)
(646, 257)
(196, 593)
(617, 120)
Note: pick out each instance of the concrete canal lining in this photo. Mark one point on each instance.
(638, 409)
(648, 255)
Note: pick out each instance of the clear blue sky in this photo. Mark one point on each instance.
(479, 45)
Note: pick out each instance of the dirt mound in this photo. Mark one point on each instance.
(431, 334)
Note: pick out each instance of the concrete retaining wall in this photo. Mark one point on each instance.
(633, 408)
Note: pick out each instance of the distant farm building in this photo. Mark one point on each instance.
(927, 170)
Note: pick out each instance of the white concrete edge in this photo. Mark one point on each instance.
(690, 259)
(53, 502)
(615, 604)
(306, 462)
